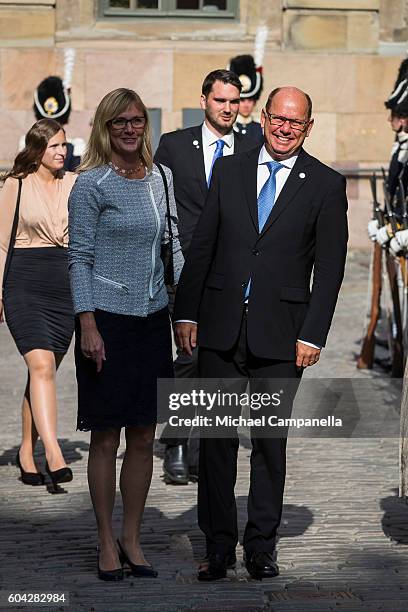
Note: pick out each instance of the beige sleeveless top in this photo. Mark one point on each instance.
(43, 219)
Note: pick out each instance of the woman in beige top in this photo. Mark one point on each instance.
(35, 293)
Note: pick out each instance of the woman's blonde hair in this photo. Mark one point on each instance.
(99, 151)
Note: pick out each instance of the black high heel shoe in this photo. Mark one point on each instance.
(109, 575)
(29, 478)
(139, 571)
(62, 475)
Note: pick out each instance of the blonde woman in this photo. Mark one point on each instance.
(123, 339)
(36, 296)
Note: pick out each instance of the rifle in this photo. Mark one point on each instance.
(396, 332)
(366, 357)
(388, 205)
(378, 214)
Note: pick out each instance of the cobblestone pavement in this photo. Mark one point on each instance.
(343, 537)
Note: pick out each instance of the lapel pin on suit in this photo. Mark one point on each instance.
(196, 144)
(302, 175)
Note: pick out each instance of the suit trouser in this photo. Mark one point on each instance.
(185, 366)
(217, 512)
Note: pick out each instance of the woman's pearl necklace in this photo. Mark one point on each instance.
(126, 171)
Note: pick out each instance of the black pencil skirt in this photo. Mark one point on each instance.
(124, 393)
(37, 299)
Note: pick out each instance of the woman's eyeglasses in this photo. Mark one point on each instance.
(121, 123)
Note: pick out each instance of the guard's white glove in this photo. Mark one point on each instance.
(394, 247)
(402, 239)
(372, 229)
(382, 236)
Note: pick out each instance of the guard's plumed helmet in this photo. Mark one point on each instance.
(52, 100)
(400, 91)
(249, 75)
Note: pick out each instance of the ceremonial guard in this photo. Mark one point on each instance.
(249, 71)
(397, 104)
(396, 180)
(52, 100)
(389, 232)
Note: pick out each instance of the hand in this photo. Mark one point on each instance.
(383, 236)
(395, 247)
(92, 346)
(401, 238)
(185, 336)
(372, 229)
(306, 355)
(1, 312)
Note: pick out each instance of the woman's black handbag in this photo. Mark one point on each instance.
(13, 234)
(167, 248)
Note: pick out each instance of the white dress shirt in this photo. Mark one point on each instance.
(209, 141)
(281, 176)
(209, 145)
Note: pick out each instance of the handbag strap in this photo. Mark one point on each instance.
(166, 190)
(13, 232)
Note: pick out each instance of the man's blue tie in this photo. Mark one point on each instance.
(266, 201)
(217, 153)
(266, 198)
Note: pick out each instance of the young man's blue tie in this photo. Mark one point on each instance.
(266, 201)
(217, 153)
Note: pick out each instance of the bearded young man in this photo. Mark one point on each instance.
(190, 154)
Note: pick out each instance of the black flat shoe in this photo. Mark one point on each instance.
(139, 571)
(261, 565)
(62, 475)
(109, 575)
(218, 563)
(29, 478)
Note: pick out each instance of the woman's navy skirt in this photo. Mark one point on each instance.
(124, 393)
(37, 299)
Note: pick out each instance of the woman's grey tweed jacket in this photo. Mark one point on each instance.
(116, 227)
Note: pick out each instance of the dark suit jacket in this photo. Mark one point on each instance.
(307, 227)
(186, 161)
(72, 161)
(253, 130)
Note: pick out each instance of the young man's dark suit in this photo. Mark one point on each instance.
(307, 227)
(182, 152)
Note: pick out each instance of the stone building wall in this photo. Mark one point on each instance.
(330, 48)
(394, 20)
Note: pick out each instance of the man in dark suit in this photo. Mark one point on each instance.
(190, 155)
(272, 215)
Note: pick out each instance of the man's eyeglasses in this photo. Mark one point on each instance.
(295, 124)
(121, 123)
